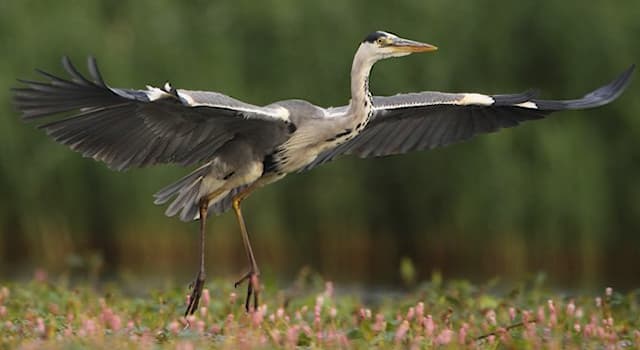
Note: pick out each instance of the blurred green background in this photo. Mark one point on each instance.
(560, 195)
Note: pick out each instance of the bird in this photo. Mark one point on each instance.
(237, 147)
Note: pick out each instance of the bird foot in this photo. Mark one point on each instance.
(196, 292)
(253, 288)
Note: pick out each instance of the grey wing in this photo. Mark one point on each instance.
(134, 128)
(425, 120)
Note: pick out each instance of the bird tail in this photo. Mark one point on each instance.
(188, 191)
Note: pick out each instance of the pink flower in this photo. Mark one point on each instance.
(380, 325)
(40, 327)
(402, 330)
(292, 335)
(420, 310)
(115, 323)
(174, 327)
(571, 308)
(491, 317)
(185, 345)
(4, 293)
(40, 275)
(203, 311)
(444, 337)
(541, 314)
(200, 326)
(410, 314)
(512, 314)
(89, 327)
(328, 289)
(3, 311)
(429, 326)
(215, 329)
(609, 292)
(462, 334)
(206, 297)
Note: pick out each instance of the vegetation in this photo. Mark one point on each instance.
(315, 314)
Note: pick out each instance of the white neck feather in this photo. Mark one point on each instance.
(360, 95)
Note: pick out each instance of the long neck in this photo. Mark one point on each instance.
(360, 104)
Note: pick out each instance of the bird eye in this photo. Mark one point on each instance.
(380, 41)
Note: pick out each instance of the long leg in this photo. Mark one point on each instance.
(198, 284)
(253, 286)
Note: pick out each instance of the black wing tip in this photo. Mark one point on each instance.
(596, 98)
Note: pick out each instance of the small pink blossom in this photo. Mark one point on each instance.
(429, 326)
(206, 297)
(115, 323)
(3, 311)
(174, 327)
(598, 302)
(40, 275)
(40, 327)
(89, 327)
(401, 332)
(571, 308)
(541, 314)
(491, 317)
(462, 334)
(328, 289)
(380, 325)
(215, 329)
(410, 313)
(203, 311)
(512, 313)
(364, 314)
(200, 326)
(293, 333)
(609, 292)
(4, 293)
(444, 337)
(420, 310)
(333, 312)
(185, 345)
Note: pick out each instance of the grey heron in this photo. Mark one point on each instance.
(239, 147)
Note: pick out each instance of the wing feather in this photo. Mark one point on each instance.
(134, 128)
(425, 120)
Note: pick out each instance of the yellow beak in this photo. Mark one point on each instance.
(405, 45)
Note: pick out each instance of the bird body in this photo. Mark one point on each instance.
(240, 147)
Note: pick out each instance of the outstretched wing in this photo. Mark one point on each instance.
(134, 128)
(425, 120)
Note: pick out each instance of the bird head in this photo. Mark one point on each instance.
(380, 45)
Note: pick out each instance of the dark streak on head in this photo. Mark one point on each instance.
(371, 38)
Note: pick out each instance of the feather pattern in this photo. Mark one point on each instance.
(419, 121)
(135, 128)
